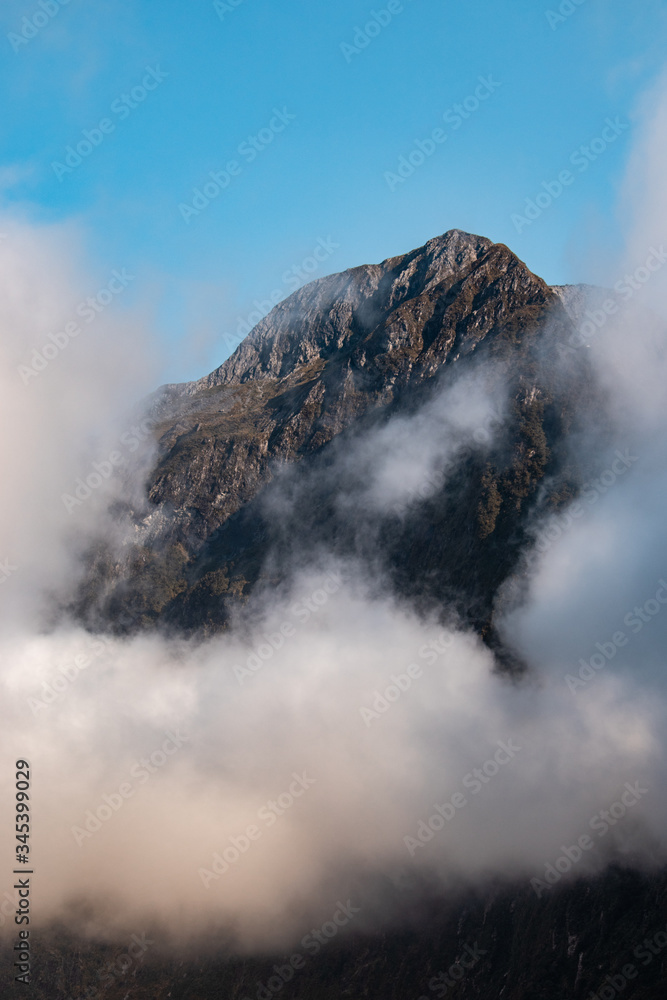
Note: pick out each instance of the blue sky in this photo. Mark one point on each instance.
(332, 112)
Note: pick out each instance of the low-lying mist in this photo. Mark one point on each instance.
(344, 747)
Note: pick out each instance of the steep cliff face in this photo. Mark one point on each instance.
(327, 365)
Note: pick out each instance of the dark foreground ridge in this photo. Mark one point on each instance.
(595, 940)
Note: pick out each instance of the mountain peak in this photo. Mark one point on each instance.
(329, 313)
(342, 354)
